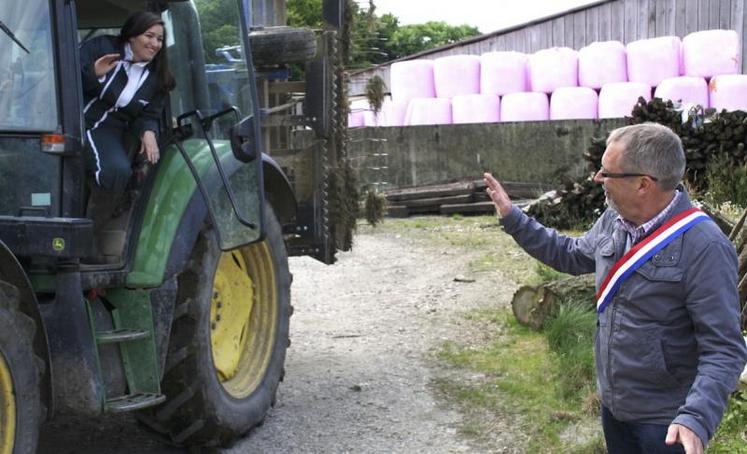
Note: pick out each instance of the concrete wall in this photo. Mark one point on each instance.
(544, 151)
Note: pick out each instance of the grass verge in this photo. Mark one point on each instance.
(542, 382)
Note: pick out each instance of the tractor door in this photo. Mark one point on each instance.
(214, 107)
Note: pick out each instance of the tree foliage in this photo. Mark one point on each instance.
(218, 21)
(411, 39)
(379, 39)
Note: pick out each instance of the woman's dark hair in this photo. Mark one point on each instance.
(138, 23)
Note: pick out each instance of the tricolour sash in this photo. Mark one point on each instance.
(643, 251)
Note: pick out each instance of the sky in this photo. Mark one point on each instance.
(486, 15)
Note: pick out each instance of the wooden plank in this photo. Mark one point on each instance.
(298, 86)
(664, 17)
(592, 25)
(680, 18)
(604, 11)
(652, 18)
(397, 211)
(617, 21)
(558, 32)
(535, 40)
(431, 191)
(468, 208)
(545, 34)
(724, 16)
(579, 30)
(642, 16)
(713, 16)
(631, 21)
(436, 201)
(702, 15)
(691, 16)
(568, 28)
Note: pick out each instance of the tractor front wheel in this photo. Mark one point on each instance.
(228, 340)
(20, 402)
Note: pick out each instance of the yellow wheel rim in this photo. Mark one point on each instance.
(243, 318)
(7, 409)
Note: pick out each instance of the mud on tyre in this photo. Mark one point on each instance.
(228, 342)
(20, 370)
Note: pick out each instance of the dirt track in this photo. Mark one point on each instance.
(360, 369)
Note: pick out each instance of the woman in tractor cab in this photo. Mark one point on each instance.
(125, 81)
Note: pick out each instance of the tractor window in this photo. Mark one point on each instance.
(27, 74)
(207, 58)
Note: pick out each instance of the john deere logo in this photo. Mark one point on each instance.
(58, 244)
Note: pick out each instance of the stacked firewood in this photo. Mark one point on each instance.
(705, 135)
(462, 197)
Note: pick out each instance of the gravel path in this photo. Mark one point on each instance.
(360, 367)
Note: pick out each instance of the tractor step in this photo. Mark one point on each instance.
(132, 402)
(120, 335)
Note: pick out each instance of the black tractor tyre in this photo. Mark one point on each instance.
(212, 402)
(21, 409)
(281, 44)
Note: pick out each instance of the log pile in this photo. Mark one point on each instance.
(534, 305)
(463, 197)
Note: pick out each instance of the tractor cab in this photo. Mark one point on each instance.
(186, 285)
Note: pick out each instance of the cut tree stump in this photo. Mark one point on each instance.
(533, 305)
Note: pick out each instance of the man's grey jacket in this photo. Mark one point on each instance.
(668, 346)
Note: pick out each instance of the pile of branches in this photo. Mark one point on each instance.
(706, 135)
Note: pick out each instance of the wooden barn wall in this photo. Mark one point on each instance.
(622, 20)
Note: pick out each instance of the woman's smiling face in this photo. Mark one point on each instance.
(147, 45)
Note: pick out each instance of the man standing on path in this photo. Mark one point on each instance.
(668, 349)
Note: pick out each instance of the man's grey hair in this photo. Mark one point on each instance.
(652, 149)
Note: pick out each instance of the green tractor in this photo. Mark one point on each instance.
(181, 311)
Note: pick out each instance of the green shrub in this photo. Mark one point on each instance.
(570, 336)
(727, 181)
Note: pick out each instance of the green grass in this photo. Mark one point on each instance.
(541, 382)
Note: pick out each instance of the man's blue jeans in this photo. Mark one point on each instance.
(630, 437)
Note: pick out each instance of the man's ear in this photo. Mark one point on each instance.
(646, 185)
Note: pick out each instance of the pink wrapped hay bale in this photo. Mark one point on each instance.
(393, 113)
(456, 75)
(428, 111)
(503, 72)
(355, 120)
(412, 79)
(552, 68)
(569, 103)
(617, 99)
(652, 60)
(711, 52)
(728, 92)
(527, 106)
(475, 108)
(686, 89)
(602, 63)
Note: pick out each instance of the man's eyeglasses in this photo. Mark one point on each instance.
(606, 174)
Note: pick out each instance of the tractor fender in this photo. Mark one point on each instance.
(278, 190)
(176, 211)
(12, 272)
